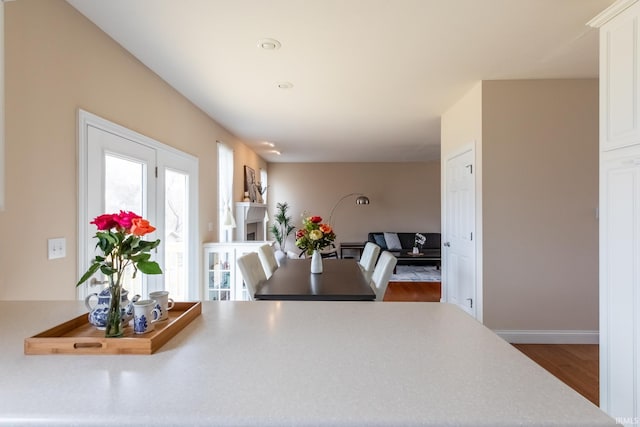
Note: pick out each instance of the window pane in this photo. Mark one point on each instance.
(124, 180)
(123, 185)
(176, 232)
(264, 183)
(225, 190)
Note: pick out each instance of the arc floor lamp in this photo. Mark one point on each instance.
(360, 200)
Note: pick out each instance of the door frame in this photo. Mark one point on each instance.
(86, 119)
(477, 185)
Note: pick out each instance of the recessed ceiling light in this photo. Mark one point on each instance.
(269, 44)
(275, 152)
(285, 85)
(269, 144)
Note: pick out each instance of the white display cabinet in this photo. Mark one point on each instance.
(222, 280)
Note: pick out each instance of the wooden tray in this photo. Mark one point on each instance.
(78, 336)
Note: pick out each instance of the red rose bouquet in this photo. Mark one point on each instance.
(119, 239)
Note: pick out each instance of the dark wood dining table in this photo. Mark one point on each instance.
(341, 280)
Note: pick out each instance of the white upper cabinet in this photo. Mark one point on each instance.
(620, 80)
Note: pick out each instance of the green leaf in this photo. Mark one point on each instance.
(90, 272)
(135, 242)
(107, 270)
(108, 236)
(149, 267)
(130, 243)
(146, 246)
(140, 257)
(104, 245)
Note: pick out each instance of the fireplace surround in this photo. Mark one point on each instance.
(250, 221)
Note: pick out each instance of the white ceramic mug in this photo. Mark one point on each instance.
(145, 314)
(163, 300)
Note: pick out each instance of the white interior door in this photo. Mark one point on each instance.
(459, 254)
(123, 170)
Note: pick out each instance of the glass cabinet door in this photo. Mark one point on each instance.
(219, 266)
(222, 279)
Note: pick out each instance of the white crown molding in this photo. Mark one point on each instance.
(604, 16)
(549, 337)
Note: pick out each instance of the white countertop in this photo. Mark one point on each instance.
(272, 363)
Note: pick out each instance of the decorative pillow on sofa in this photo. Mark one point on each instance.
(393, 242)
(380, 241)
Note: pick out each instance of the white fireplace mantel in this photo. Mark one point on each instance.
(250, 217)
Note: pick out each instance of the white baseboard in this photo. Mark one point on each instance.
(549, 337)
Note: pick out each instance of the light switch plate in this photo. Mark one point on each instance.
(57, 248)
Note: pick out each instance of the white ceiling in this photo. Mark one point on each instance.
(371, 78)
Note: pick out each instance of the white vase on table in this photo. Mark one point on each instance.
(316, 262)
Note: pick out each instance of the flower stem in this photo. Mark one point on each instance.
(114, 316)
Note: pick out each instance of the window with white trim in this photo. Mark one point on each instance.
(226, 221)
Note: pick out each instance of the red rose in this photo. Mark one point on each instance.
(105, 221)
(299, 233)
(125, 219)
(315, 219)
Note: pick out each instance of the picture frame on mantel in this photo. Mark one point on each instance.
(250, 183)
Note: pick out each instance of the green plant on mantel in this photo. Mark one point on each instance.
(281, 228)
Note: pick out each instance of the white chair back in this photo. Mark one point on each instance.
(382, 274)
(368, 259)
(268, 259)
(252, 272)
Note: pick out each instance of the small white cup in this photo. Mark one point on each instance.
(145, 314)
(163, 300)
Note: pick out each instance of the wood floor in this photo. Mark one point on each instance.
(577, 365)
(413, 291)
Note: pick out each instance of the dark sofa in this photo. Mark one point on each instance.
(430, 253)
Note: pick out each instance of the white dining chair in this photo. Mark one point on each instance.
(268, 259)
(382, 274)
(252, 272)
(368, 259)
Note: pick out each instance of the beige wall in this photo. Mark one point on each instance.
(537, 190)
(461, 124)
(404, 196)
(540, 163)
(56, 62)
